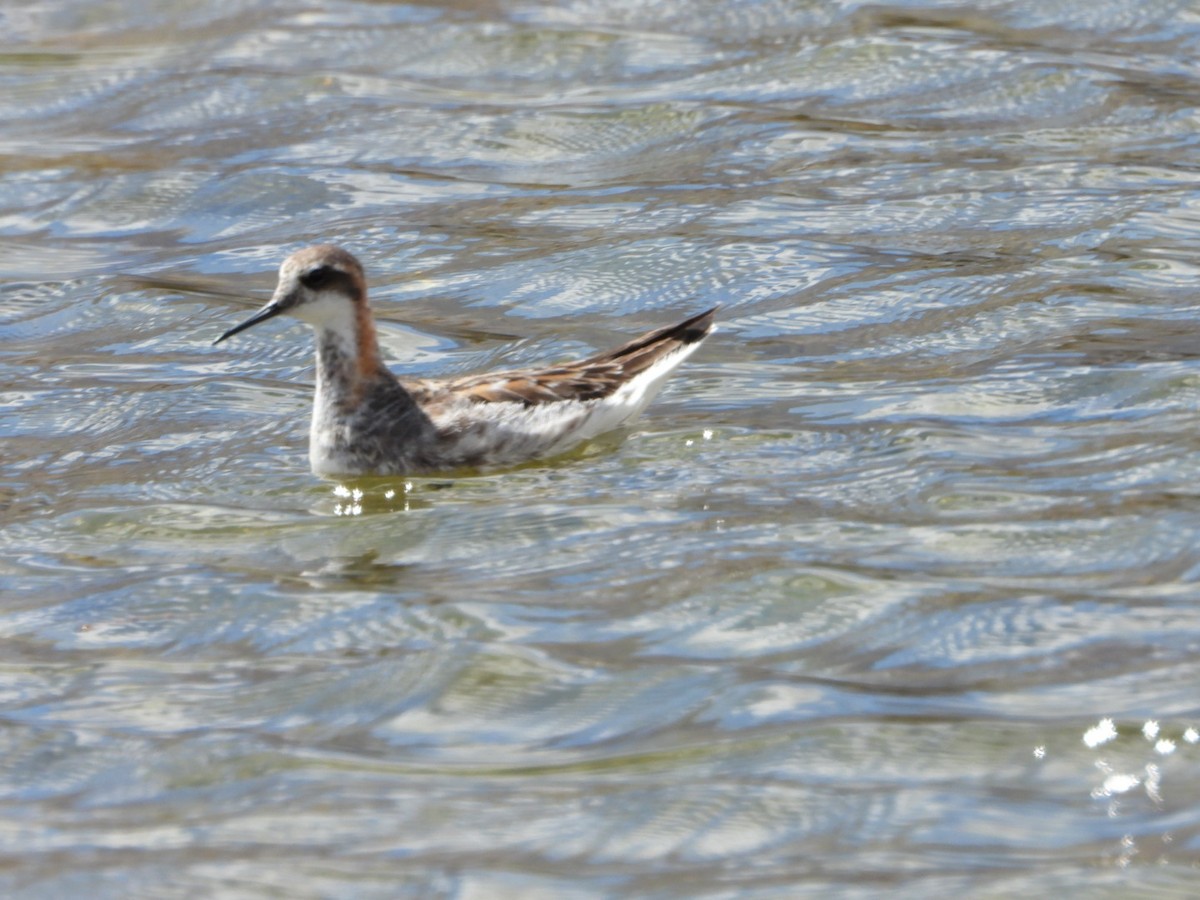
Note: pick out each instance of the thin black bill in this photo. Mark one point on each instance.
(270, 311)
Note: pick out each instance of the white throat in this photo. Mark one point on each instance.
(333, 317)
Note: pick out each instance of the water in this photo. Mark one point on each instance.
(893, 590)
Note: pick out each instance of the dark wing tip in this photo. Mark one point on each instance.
(689, 331)
(698, 327)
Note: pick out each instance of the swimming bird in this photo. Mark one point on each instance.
(366, 421)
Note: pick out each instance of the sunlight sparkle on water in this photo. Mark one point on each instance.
(354, 495)
(1101, 733)
(1117, 783)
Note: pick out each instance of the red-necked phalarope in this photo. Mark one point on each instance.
(366, 421)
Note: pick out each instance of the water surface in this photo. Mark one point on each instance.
(893, 590)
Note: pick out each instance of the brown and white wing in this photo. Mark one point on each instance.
(594, 378)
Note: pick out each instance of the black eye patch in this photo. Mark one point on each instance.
(320, 278)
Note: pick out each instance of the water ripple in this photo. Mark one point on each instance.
(893, 585)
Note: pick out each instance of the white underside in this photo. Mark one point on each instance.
(547, 429)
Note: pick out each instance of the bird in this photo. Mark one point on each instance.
(366, 421)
